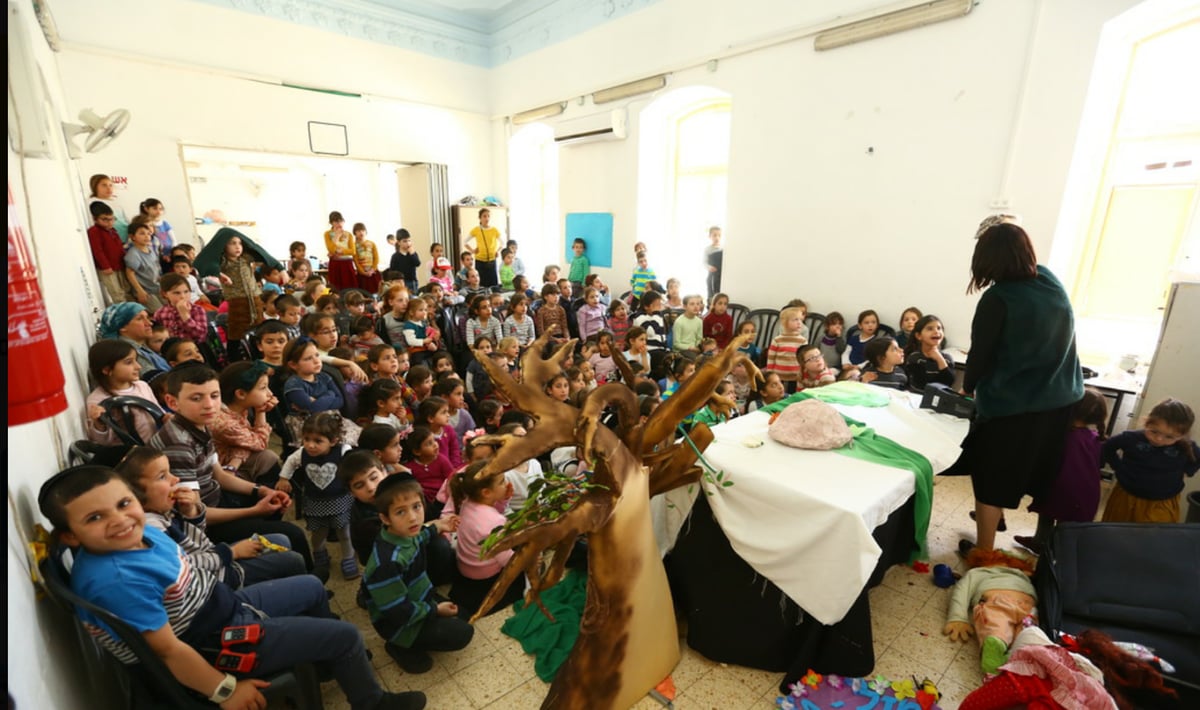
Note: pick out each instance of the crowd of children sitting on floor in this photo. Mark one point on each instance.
(374, 395)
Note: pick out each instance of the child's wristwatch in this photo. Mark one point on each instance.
(225, 690)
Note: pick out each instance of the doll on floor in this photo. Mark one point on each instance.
(995, 600)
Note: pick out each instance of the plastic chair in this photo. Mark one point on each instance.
(148, 683)
(816, 326)
(738, 312)
(766, 321)
(118, 416)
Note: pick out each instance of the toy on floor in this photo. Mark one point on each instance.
(994, 601)
(815, 691)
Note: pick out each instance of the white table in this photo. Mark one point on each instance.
(803, 519)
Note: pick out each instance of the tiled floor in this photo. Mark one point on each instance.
(907, 615)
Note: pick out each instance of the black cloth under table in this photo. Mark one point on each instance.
(735, 615)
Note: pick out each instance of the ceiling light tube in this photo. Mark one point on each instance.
(633, 88)
(537, 114)
(893, 22)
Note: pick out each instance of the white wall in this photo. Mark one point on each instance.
(959, 114)
(416, 108)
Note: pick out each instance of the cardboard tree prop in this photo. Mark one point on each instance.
(628, 641)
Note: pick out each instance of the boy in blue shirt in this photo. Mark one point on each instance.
(141, 575)
(401, 601)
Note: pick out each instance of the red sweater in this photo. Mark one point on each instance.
(107, 250)
(719, 328)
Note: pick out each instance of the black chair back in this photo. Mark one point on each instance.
(816, 326)
(738, 312)
(118, 416)
(766, 322)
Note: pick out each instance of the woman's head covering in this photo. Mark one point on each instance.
(117, 316)
(992, 220)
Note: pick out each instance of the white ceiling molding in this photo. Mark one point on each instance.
(486, 36)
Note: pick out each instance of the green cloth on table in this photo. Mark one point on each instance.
(870, 446)
(549, 641)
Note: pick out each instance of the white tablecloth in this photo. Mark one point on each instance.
(803, 519)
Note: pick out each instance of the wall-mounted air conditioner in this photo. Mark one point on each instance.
(609, 125)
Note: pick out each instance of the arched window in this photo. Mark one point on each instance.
(533, 195)
(683, 180)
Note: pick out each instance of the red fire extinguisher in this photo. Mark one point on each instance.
(35, 376)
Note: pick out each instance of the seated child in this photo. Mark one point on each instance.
(489, 412)
(404, 609)
(706, 413)
(182, 317)
(619, 323)
(452, 390)
(364, 337)
(434, 413)
(832, 342)
(718, 324)
(114, 368)
(428, 464)
(884, 360)
(908, 322)
(856, 343)
(770, 391)
(144, 578)
(590, 316)
(181, 350)
(924, 360)
(688, 330)
(750, 350)
(177, 511)
(814, 372)
(519, 324)
(383, 441)
(382, 402)
(476, 500)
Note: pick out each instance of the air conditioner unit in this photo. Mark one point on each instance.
(606, 126)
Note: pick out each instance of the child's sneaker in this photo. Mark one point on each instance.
(350, 568)
(411, 661)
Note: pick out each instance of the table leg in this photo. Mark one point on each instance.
(1112, 418)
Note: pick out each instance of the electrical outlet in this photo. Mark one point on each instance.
(999, 203)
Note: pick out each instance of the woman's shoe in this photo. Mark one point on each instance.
(1029, 542)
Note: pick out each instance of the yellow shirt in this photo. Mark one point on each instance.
(487, 243)
(340, 246)
(366, 258)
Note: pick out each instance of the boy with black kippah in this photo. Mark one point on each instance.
(404, 609)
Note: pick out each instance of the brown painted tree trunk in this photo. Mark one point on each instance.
(628, 642)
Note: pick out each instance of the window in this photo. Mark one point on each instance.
(533, 190)
(683, 180)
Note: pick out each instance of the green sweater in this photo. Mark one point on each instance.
(1023, 355)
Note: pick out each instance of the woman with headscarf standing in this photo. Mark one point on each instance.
(1023, 372)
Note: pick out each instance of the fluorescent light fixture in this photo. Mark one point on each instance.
(537, 114)
(892, 22)
(633, 88)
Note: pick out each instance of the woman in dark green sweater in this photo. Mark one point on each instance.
(1023, 372)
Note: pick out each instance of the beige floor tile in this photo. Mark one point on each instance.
(884, 630)
(692, 667)
(894, 604)
(897, 665)
(952, 694)
(922, 639)
(453, 661)
(527, 696)
(447, 695)
(489, 626)
(488, 679)
(909, 582)
(715, 691)
(397, 680)
(756, 681)
(964, 669)
(333, 697)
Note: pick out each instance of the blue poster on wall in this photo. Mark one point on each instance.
(595, 228)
